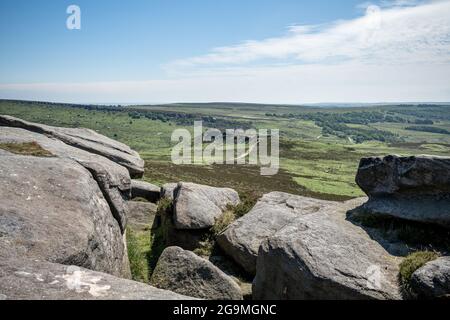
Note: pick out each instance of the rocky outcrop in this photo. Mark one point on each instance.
(198, 206)
(321, 255)
(63, 214)
(145, 190)
(411, 188)
(433, 279)
(41, 280)
(85, 139)
(52, 209)
(184, 272)
(242, 239)
(113, 179)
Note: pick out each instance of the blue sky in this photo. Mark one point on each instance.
(285, 51)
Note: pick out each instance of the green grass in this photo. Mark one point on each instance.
(248, 201)
(227, 218)
(410, 264)
(26, 148)
(208, 246)
(144, 249)
(139, 246)
(312, 164)
(146, 246)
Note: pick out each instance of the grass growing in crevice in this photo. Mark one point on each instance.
(248, 201)
(159, 235)
(165, 206)
(409, 265)
(146, 246)
(26, 149)
(138, 244)
(223, 222)
(208, 246)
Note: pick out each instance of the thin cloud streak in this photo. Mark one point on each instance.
(400, 34)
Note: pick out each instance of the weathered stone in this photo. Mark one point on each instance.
(184, 272)
(198, 206)
(142, 189)
(241, 240)
(323, 256)
(411, 188)
(433, 279)
(85, 139)
(113, 179)
(52, 209)
(168, 190)
(142, 215)
(186, 239)
(40, 280)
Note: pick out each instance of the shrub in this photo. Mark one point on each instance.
(248, 201)
(223, 222)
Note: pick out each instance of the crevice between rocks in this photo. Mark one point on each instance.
(104, 188)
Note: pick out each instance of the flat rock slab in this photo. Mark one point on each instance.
(198, 206)
(39, 280)
(410, 188)
(323, 256)
(433, 279)
(142, 189)
(87, 140)
(186, 273)
(52, 209)
(241, 240)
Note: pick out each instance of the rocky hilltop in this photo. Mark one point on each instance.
(63, 213)
(68, 196)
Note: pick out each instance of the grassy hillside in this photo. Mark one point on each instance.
(320, 147)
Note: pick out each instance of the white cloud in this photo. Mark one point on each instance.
(349, 82)
(399, 34)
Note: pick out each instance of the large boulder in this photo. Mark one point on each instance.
(40, 280)
(53, 209)
(433, 279)
(87, 140)
(113, 179)
(198, 206)
(186, 273)
(193, 211)
(142, 189)
(321, 255)
(411, 188)
(241, 240)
